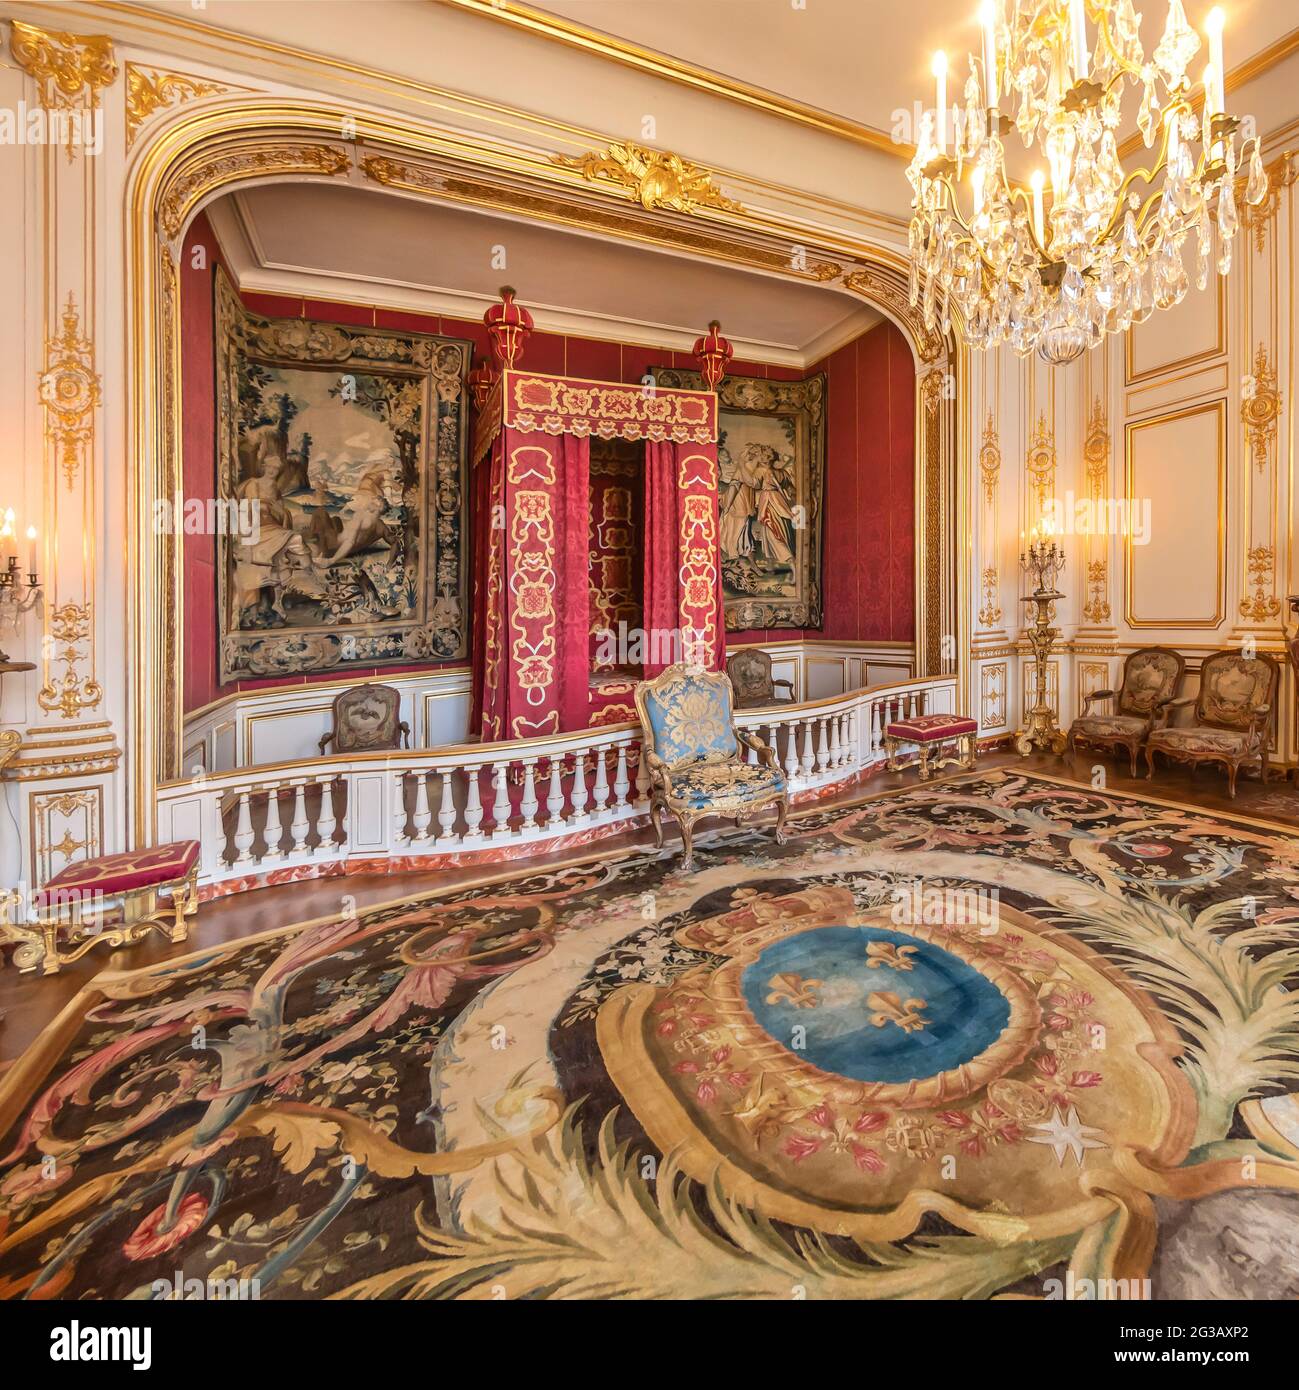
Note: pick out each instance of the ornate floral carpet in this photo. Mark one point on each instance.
(997, 1035)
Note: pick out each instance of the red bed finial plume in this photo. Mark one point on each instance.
(481, 380)
(713, 352)
(508, 326)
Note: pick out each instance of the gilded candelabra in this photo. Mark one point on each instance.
(1043, 562)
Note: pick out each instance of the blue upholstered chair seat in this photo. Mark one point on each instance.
(723, 784)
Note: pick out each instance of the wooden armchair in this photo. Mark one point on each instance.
(1151, 678)
(367, 717)
(752, 681)
(696, 756)
(1233, 712)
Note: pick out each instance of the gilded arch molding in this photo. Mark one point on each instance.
(200, 154)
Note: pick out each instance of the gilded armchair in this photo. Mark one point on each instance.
(1151, 677)
(695, 755)
(752, 681)
(1233, 715)
(366, 717)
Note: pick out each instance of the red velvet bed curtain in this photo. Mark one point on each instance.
(683, 579)
(534, 595)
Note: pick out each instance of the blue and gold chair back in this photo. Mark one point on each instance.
(687, 715)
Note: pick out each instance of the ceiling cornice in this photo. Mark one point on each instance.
(671, 69)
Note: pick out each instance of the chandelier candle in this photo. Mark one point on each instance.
(1110, 248)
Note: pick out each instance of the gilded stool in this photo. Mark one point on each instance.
(942, 740)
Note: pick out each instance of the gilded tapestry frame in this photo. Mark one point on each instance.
(186, 160)
(803, 405)
(437, 629)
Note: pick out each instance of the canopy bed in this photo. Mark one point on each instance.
(595, 538)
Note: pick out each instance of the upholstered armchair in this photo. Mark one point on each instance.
(697, 758)
(752, 681)
(1233, 712)
(1151, 677)
(367, 717)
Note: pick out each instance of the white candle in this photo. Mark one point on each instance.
(988, 18)
(1078, 20)
(940, 77)
(1037, 180)
(31, 550)
(1214, 25)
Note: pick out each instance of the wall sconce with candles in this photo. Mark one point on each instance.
(16, 597)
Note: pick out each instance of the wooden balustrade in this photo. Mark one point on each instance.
(477, 797)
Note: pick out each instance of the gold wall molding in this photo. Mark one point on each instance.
(69, 389)
(990, 460)
(1261, 605)
(654, 178)
(990, 612)
(149, 90)
(1260, 407)
(1096, 449)
(993, 683)
(892, 295)
(1096, 609)
(932, 390)
(1280, 175)
(69, 694)
(280, 158)
(71, 68)
(1040, 460)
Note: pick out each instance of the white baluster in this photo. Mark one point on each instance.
(822, 746)
(621, 785)
(773, 740)
(555, 795)
(399, 835)
(601, 789)
(274, 831)
(752, 758)
(875, 731)
(244, 831)
(579, 788)
(528, 805)
(809, 758)
(299, 826)
(845, 750)
(422, 816)
(327, 823)
(791, 751)
(834, 742)
(501, 804)
(642, 774)
(447, 810)
(473, 806)
(854, 739)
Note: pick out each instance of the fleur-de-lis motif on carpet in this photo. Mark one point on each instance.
(793, 989)
(890, 1008)
(888, 953)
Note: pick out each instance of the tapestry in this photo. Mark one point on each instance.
(342, 452)
(771, 457)
(993, 1035)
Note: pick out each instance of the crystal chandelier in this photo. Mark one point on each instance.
(1106, 248)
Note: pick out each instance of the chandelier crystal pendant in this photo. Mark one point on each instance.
(1106, 247)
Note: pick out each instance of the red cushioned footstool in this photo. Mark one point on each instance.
(941, 740)
(73, 902)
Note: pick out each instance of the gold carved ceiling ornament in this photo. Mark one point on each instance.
(1040, 460)
(149, 90)
(69, 694)
(72, 69)
(1261, 605)
(69, 390)
(654, 178)
(1096, 449)
(212, 169)
(990, 459)
(1259, 408)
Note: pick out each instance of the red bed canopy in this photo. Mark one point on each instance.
(531, 458)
